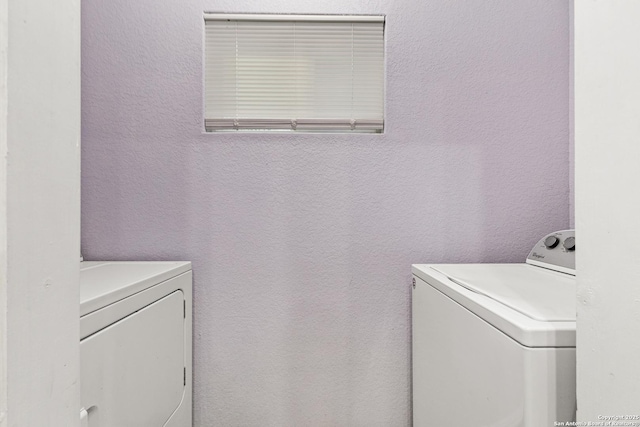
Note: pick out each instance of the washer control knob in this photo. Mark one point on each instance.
(551, 242)
(569, 243)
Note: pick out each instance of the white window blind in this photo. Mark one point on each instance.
(293, 72)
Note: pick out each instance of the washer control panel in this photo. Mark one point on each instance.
(555, 251)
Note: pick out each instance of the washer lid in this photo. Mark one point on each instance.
(536, 292)
(105, 282)
(532, 305)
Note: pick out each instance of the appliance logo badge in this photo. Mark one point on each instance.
(537, 255)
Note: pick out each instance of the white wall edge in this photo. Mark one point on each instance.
(39, 213)
(4, 36)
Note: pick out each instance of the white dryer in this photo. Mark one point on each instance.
(494, 344)
(135, 344)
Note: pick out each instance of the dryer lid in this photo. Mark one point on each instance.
(536, 292)
(105, 282)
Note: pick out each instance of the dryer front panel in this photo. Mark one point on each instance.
(133, 371)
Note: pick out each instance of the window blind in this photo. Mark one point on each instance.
(293, 72)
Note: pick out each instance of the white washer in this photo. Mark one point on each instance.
(494, 344)
(135, 344)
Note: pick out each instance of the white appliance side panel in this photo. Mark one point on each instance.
(550, 385)
(467, 372)
(133, 371)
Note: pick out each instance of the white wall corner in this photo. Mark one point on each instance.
(607, 130)
(4, 40)
(39, 212)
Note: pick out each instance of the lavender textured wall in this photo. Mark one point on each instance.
(572, 139)
(302, 244)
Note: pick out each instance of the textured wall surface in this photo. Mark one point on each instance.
(607, 209)
(302, 244)
(572, 137)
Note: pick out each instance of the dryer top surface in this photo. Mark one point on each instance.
(105, 282)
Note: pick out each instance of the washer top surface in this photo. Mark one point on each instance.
(105, 282)
(533, 305)
(536, 292)
(532, 302)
